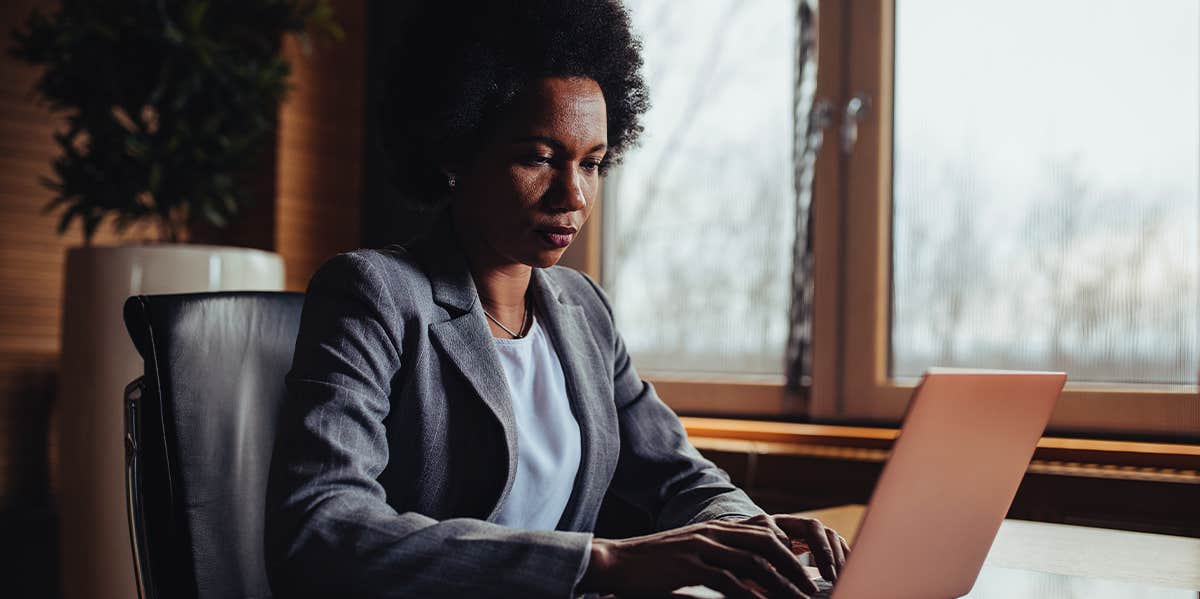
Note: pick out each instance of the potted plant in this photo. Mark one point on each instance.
(166, 105)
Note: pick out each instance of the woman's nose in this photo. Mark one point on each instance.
(570, 195)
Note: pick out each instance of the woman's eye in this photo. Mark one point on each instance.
(590, 166)
(538, 160)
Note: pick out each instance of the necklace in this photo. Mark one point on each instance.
(524, 319)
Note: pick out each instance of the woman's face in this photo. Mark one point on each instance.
(527, 193)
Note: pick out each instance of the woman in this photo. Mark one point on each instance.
(459, 408)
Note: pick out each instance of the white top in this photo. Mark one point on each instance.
(548, 442)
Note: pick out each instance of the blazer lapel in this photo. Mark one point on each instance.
(589, 394)
(467, 342)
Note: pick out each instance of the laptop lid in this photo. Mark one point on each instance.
(967, 438)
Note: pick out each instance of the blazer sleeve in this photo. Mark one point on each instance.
(330, 530)
(659, 471)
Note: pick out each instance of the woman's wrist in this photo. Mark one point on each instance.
(598, 564)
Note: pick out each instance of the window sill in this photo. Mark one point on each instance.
(1092, 458)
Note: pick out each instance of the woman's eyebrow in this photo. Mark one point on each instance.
(554, 143)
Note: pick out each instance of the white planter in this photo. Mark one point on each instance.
(97, 361)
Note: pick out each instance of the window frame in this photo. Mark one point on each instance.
(867, 391)
(852, 200)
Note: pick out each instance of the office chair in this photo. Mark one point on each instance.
(200, 426)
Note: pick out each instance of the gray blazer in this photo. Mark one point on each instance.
(397, 444)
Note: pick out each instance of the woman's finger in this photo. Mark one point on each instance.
(760, 541)
(767, 521)
(748, 565)
(813, 534)
(835, 544)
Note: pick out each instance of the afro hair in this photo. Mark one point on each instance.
(457, 66)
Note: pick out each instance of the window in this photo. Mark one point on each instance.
(1019, 190)
(1023, 194)
(1068, 209)
(699, 220)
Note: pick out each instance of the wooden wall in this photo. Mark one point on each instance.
(319, 192)
(317, 189)
(31, 261)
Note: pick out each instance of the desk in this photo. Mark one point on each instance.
(1035, 560)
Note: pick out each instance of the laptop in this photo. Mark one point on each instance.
(967, 438)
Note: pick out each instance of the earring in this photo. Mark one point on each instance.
(450, 179)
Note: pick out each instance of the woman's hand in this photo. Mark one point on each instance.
(828, 548)
(745, 558)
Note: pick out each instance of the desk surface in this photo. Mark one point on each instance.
(1036, 559)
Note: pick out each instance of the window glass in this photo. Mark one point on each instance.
(1046, 209)
(698, 221)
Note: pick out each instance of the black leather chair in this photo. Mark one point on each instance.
(200, 426)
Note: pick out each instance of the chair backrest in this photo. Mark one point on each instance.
(200, 429)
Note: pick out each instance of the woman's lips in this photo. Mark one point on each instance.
(556, 237)
(555, 240)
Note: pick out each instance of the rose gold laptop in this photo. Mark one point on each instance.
(953, 472)
(967, 439)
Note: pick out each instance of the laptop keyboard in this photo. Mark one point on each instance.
(824, 589)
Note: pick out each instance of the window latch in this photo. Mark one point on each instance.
(856, 111)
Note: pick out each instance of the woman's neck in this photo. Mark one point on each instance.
(502, 285)
(502, 289)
